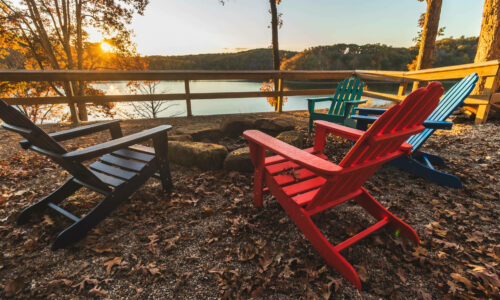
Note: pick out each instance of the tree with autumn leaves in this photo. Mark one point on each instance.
(53, 35)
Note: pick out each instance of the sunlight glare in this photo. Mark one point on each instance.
(106, 47)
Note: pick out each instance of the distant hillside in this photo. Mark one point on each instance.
(379, 57)
(256, 59)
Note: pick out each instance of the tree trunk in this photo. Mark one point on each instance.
(276, 51)
(488, 46)
(428, 40)
(82, 108)
(274, 27)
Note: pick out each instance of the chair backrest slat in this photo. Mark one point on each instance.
(349, 89)
(40, 139)
(448, 104)
(380, 143)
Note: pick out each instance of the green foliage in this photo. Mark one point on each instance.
(255, 59)
(448, 52)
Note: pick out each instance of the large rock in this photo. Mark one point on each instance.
(274, 126)
(234, 126)
(239, 160)
(207, 135)
(292, 137)
(205, 156)
(180, 137)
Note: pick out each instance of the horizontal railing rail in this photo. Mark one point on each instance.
(477, 104)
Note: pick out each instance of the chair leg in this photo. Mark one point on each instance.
(161, 151)
(257, 154)
(321, 244)
(64, 191)
(379, 212)
(433, 158)
(414, 167)
(79, 229)
(311, 124)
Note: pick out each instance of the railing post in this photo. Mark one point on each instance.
(188, 98)
(279, 103)
(491, 85)
(72, 107)
(402, 88)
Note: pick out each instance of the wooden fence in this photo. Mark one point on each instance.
(478, 104)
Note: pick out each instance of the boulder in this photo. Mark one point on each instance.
(292, 137)
(207, 135)
(205, 156)
(274, 125)
(239, 160)
(234, 126)
(180, 137)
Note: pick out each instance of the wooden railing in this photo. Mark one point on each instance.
(477, 104)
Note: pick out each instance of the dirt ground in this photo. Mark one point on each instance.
(207, 240)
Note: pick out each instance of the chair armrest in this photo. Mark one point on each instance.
(80, 131)
(370, 111)
(362, 121)
(356, 101)
(83, 130)
(339, 130)
(438, 124)
(301, 157)
(107, 147)
(321, 99)
(427, 123)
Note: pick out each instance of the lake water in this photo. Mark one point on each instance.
(228, 106)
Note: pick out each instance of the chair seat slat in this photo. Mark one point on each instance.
(112, 171)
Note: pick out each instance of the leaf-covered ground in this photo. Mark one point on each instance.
(207, 240)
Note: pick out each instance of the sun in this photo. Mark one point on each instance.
(106, 47)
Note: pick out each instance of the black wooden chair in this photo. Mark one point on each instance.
(121, 169)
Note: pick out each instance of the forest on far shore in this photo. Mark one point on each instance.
(448, 52)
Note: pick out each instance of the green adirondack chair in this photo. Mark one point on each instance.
(344, 101)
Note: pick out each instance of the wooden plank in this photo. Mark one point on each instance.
(383, 96)
(135, 155)
(298, 175)
(63, 212)
(112, 181)
(304, 186)
(356, 238)
(161, 97)
(112, 171)
(75, 75)
(123, 163)
(476, 100)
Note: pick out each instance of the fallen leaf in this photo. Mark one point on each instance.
(362, 273)
(47, 220)
(459, 278)
(97, 292)
(110, 263)
(14, 286)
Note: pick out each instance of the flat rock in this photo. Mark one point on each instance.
(234, 126)
(274, 125)
(239, 160)
(207, 135)
(292, 137)
(205, 156)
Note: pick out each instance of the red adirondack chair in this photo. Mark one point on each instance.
(318, 184)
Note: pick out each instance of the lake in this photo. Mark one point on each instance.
(228, 106)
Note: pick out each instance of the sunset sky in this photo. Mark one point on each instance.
(171, 27)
